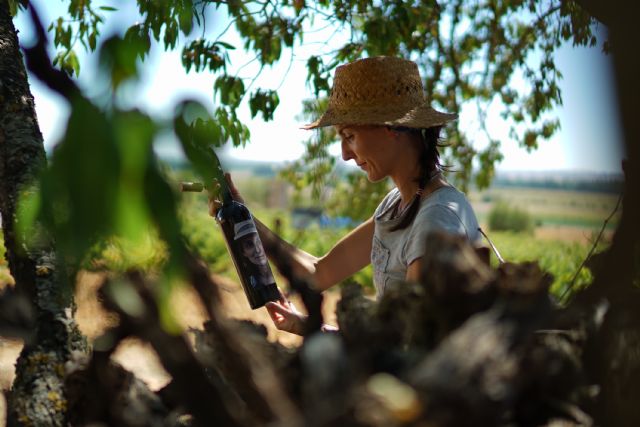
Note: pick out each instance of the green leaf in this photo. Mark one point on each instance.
(119, 58)
(225, 45)
(198, 133)
(74, 64)
(108, 8)
(230, 90)
(29, 206)
(133, 133)
(79, 188)
(92, 40)
(185, 17)
(138, 37)
(530, 140)
(265, 102)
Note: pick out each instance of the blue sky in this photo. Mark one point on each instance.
(589, 140)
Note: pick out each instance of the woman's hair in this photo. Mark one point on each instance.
(429, 162)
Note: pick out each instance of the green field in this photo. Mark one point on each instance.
(550, 207)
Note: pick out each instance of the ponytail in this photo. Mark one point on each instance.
(430, 166)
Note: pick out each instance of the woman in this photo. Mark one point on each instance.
(377, 106)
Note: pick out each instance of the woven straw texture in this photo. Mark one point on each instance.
(379, 91)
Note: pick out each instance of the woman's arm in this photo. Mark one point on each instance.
(348, 256)
(351, 254)
(413, 271)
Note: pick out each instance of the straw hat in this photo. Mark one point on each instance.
(243, 228)
(379, 91)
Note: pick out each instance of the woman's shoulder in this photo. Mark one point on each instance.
(449, 209)
(445, 204)
(447, 196)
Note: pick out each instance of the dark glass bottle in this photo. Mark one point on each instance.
(247, 252)
(245, 247)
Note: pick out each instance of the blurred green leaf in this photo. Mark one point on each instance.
(119, 58)
(138, 37)
(230, 90)
(134, 134)
(202, 55)
(26, 226)
(226, 45)
(265, 102)
(72, 62)
(79, 189)
(15, 5)
(185, 16)
(168, 282)
(199, 133)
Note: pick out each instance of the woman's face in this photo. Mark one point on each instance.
(252, 249)
(373, 148)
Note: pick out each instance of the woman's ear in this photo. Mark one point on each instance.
(396, 134)
(393, 133)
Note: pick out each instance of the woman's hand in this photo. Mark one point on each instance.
(286, 316)
(214, 203)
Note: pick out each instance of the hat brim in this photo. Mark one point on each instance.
(421, 117)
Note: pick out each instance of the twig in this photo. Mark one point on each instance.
(493, 247)
(39, 63)
(286, 73)
(593, 248)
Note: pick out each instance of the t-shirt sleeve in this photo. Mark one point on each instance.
(432, 218)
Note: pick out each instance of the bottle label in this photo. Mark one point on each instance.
(253, 256)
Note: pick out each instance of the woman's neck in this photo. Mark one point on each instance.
(404, 179)
(407, 185)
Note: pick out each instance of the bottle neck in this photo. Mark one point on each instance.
(226, 196)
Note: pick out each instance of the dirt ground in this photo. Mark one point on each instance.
(138, 356)
(562, 233)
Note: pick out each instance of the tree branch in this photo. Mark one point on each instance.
(39, 63)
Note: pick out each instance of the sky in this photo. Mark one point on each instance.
(589, 139)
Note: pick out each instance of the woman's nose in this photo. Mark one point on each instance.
(347, 153)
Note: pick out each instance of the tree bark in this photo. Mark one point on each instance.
(37, 396)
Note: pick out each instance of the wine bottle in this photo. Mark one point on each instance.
(244, 245)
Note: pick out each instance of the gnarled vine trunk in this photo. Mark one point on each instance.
(37, 396)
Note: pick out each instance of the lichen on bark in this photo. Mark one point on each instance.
(37, 396)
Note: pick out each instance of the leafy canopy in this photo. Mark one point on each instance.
(480, 53)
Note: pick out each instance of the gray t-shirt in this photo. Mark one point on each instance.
(445, 209)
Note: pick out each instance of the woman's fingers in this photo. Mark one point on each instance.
(214, 206)
(214, 198)
(277, 309)
(284, 318)
(275, 317)
(279, 316)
